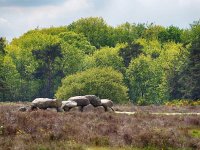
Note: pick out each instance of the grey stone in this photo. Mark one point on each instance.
(106, 103)
(76, 109)
(88, 108)
(60, 110)
(80, 100)
(44, 103)
(67, 105)
(94, 100)
(99, 109)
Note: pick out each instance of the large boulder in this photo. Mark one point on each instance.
(99, 109)
(94, 100)
(88, 108)
(44, 103)
(80, 100)
(106, 103)
(67, 105)
(22, 109)
(76, 109)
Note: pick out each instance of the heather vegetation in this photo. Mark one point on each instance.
(47, 130)
(141, 63)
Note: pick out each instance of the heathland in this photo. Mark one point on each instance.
(49, 130)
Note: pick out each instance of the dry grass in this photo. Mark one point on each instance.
(46, 130)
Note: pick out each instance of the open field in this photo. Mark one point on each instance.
(46, 130)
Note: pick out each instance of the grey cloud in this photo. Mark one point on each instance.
(28, 3)
(164, 12)
(17, 20)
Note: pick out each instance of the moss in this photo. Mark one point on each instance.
(194, 133)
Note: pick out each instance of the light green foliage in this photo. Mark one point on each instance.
(155, 71)
(126, 33)
(74, 49)
(96, 31)
(72, 59)
(186, 36)
(31, 55)
(194, 133)
(12, 78)
(183, 102)
(150, 47)
(152, 32)
(157, 63)
(21, 50)
(43, 58)
(78, 41)
(173, 59)
(17, 88)
(106, 57)
(49, 31)
(103, 82)
(147, 81)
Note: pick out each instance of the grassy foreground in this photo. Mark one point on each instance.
(47, 130)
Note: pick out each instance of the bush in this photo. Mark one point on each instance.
(103, 82)
(183, 102)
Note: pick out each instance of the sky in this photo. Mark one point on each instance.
(19, 16)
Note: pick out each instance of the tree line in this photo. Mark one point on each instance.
(142, 63)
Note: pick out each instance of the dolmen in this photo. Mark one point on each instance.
(85, 103)
(45, 103)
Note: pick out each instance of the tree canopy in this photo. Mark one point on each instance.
(103, 82)
(145, 63)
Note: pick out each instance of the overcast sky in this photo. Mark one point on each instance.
(19, 16)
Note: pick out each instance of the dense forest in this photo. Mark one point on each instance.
(141, 63)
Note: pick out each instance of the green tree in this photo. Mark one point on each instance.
(43, 59)
(49, 31)
(106, 57)
(173, 57)
(171, 34)
(12, 81)
(2, 77)
(150, 47)
(96, 31)
(129, 52)
(72, 59)
(74, 47)
(46, 57)
(103, 82)
(32, 54)
(152, 32)
(127, 32)
(190, 76)
(147, 81)
(78, 41)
